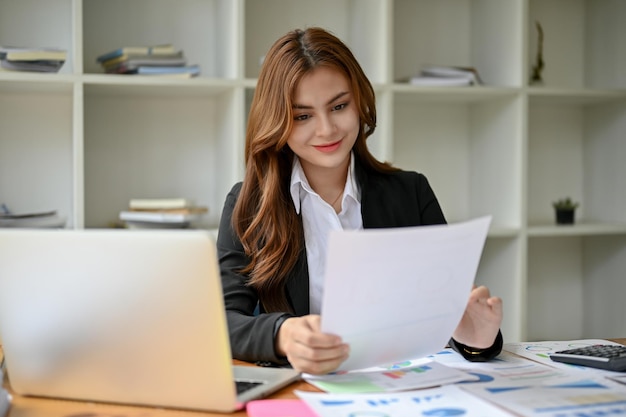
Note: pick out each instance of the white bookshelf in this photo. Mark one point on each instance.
(84, 143)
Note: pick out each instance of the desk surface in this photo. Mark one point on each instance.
(44, 407)
(39, 407)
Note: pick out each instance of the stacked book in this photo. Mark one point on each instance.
(161, 213)
(31, 59)
(43, 219)
(148, 60)
(443, 76)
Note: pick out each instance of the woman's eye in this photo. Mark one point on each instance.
(301, 117)
(340, 106)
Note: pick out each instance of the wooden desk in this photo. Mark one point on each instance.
(39, 407)
(43, 407)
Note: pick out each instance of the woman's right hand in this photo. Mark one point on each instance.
(307, 348)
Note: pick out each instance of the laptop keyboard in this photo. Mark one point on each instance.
(243, 386)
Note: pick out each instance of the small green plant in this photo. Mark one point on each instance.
(565, 204)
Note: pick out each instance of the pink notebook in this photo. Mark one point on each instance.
(279, 408)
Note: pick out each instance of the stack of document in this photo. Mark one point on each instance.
(40, 219)
(5, 397)
(148, 60)
(161, 213)
(443, 76)
(31, 59)
(522, 381)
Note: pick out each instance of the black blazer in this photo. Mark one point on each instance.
(397, 199)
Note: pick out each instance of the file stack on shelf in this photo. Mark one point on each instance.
(148, 60)
(31, 59)
(44, 219)
(5, 397)
(443, 76)
(162, 213)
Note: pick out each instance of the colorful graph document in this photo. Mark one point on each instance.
(446, 401)
(572, 397)
(505, 369)
(398, 294)
(395, 378)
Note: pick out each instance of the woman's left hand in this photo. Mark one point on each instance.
(481, 320)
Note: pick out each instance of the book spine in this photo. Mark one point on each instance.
(110, 55)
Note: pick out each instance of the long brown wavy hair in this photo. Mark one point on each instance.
(264, 216)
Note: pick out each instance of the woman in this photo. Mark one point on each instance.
(308, 171)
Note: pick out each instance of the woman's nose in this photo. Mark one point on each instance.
(325, 126)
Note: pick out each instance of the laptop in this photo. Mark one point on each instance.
(121, 316)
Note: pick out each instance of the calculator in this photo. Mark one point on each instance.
(609, 357)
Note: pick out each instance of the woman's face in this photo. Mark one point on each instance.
(326, 121)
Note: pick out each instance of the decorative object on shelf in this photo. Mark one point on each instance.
(535, 77)
(565, 209)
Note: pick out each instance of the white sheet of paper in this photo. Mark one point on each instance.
(398, 294)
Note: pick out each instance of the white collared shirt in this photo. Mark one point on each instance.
(318, 219)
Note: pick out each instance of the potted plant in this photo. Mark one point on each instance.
(564, 210)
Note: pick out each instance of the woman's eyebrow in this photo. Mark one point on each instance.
(335, 98)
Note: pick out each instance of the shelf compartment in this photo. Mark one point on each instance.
(204, 30)
(36, 158)
(33, 23)
(484, 34)
(470, 152)
(604, 286)
(576, 150)
(155, 147)
(555, 288)
(586, 275)
(583, 42)
(358, 23)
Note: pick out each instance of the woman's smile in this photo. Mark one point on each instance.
(327, 148)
